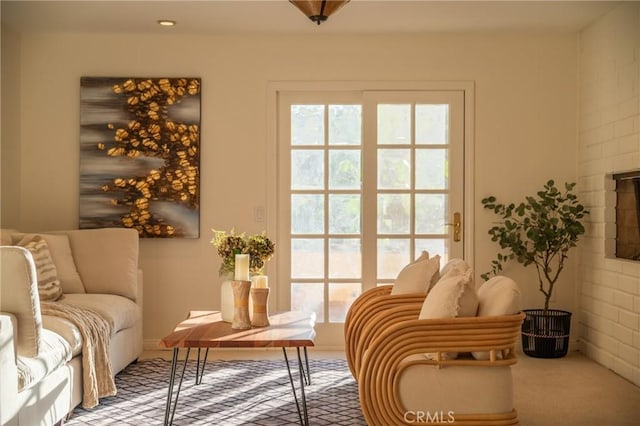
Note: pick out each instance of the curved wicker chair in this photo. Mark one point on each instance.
(398, 347)
(369, 304)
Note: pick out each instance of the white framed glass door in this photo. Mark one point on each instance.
(415, 174)
(366, 181)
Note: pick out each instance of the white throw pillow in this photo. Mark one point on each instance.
(454, 266)
(453, 296)
(62, 256)
(500, 295)
(417, 276)
(49, 288)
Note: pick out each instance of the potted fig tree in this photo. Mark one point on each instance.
(540, 231)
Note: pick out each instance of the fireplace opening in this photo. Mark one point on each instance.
(628, 215)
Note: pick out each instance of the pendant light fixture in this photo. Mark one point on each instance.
(318, 10)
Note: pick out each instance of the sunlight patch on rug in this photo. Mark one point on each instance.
(232, 393)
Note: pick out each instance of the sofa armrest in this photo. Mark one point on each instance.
(385, 359)
(8, 370)
(19, 296)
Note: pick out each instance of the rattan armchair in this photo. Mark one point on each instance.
(358, 320)
(396, 356)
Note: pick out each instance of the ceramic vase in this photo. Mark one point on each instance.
(241, 320)
(260, 298)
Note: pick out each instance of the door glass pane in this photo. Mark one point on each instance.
(344, 213)
(394, 124)
(431, 169)
(307, 124)
(307, 258)
(307, 169)
(431, 213)
(308, 297)
(433, 246)
(393, 255)
(432, 124)
(345, 258)
(344, 169)
(394, 169)
(341, 296)
(393, 213)
(307, 214)
(345, 124)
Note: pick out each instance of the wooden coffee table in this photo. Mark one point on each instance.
(205, 329)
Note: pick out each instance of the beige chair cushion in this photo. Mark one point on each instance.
(108, 249)
(19, 296)
(456, 389)
(120, 311)
(66, 329)
(62, 256)
(49, 287)
(55, 353)
(417, 276)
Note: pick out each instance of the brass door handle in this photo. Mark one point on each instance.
(457, 226)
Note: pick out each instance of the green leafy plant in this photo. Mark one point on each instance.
(540, 230)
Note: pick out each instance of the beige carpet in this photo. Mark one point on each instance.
(573, 391)
(569, 391)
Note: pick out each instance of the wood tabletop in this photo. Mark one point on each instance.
(205, 329)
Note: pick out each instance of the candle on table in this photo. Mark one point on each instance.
(260, 281)
(242, 267)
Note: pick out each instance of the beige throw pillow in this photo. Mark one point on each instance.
(454, 266)
(500, 295)
(452, 296)
(417, 276)
(49, 287)
(62, 256)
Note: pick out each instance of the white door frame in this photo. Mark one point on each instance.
(275, 87)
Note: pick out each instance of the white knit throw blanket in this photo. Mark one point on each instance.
(97, 377)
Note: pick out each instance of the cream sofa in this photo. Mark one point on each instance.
(98, 270)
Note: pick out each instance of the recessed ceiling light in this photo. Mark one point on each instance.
(166, 23)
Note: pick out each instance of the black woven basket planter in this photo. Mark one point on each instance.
(546, 335)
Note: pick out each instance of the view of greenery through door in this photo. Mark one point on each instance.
(364, 187)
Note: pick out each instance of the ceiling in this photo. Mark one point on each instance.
(279, 16)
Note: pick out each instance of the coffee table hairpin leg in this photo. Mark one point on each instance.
(302, 414)
(305, 377)
(200, 369)
(169, 412)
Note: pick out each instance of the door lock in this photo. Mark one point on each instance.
(457, 226)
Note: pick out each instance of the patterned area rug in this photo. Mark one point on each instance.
(231, 393)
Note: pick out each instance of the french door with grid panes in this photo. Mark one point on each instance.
(366, 181)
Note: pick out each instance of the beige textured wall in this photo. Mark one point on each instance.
(526, 90)
(609, 141)
(10, 131)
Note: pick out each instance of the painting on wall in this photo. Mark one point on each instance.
(140, 155)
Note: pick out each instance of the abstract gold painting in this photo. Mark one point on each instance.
(140, 155)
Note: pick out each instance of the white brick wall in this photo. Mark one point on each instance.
(609, 141)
